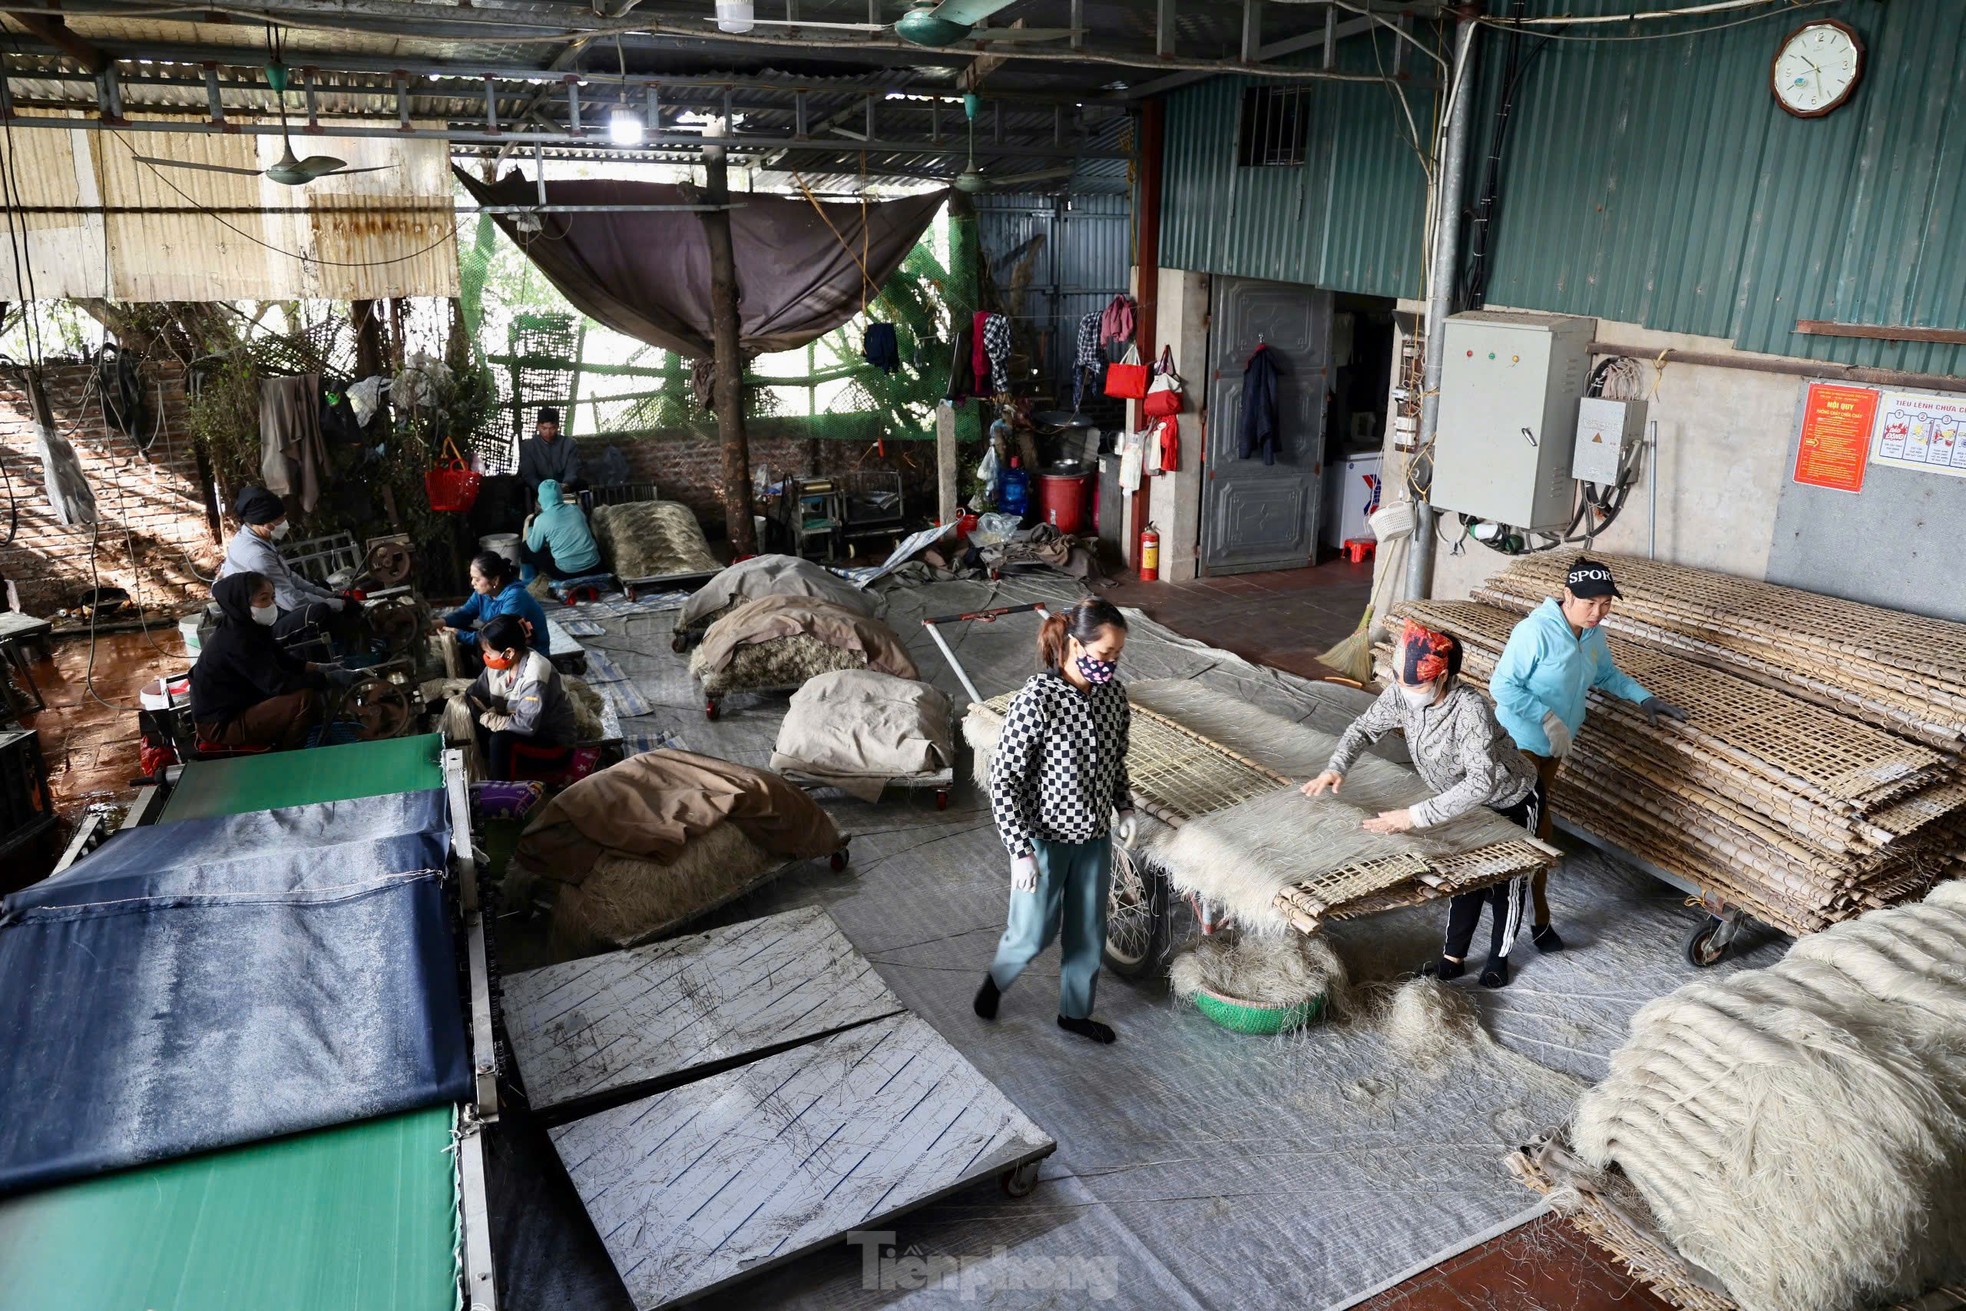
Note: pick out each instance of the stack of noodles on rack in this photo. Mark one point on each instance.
(1219, 781)
(1795, 810)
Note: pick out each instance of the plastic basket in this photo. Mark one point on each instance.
(451, 485)
(1238, 1016)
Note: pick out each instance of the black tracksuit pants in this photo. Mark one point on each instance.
(1508, 901)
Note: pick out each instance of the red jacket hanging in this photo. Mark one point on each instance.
(1170, 444)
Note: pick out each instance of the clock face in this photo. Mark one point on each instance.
(1817, 68)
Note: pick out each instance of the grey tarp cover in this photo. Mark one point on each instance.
(773, 575)
(220, 981)
(859, 728)
(647, 274)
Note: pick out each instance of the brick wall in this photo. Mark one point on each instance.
(154, 494)
(688, 467)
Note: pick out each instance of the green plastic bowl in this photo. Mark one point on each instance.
(1239, 1016)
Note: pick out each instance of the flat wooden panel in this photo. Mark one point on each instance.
(707, 1183)
(612, 1023)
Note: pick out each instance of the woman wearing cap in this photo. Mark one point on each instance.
(307, 611)
(1468, 760)
(1553, 659)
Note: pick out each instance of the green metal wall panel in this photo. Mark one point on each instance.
(1651, 181)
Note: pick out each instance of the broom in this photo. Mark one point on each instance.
(1351, 659)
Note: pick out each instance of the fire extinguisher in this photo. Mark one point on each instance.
(1149, 554)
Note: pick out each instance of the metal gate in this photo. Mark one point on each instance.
(1255, 515)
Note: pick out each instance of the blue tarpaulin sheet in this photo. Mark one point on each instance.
(221, 981)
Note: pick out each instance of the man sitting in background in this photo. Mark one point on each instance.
(546, 454)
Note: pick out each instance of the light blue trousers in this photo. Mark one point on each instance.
(1072, 886)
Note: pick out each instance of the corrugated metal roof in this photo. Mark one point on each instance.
(364, 236)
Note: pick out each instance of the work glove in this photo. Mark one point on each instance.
(1654, 708)
(495, 722)
(1024, 873)
(1123, 828)
(336, 603)
(1558, 733)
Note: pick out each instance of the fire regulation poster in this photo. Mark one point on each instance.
(1918, 430)
(1836, 428)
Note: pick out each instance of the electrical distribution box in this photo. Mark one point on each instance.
(1607, 432)
(1509, 385)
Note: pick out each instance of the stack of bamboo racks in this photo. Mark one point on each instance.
(1799, 813)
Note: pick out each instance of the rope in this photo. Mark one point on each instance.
(866, 279)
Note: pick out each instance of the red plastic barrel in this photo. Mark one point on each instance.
(1061, 500)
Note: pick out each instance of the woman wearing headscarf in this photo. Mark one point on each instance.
(309, 615)
(1468, 759)
(495, 590)
(1057, 782)
(246, 689)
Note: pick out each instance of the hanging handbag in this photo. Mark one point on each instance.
(1128, 379)
(1149, 440)
(1163, 397)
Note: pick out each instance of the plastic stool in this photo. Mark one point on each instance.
(1359, 549)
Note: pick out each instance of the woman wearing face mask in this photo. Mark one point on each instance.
(1059, 773)
(246, 689)
(1467, 758)
(309, 614)
(520, 698)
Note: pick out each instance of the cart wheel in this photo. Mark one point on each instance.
(1702, 951)
(1021, 1180)
(1137, 926)
(837, 861)
(942, 798)
(677, 644)
(710, 708)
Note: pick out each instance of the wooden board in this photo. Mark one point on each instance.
(631, 1021)
(693, 1188)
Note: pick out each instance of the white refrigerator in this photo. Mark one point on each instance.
(1351, 493)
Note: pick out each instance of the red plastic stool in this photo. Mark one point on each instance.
(555, 766)
(1359, 549)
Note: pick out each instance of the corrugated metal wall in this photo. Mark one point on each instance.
(1349, 219)
(1081, 265)
(1649, 181)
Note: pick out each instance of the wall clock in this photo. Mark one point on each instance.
(1817, 68)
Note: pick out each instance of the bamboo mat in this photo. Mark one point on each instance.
(1783, 806)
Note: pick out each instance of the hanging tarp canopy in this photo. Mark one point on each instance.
(219, 981)
(803, 267)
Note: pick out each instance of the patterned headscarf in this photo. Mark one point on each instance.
(1423, 655)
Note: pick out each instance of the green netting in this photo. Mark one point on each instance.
(302, 778)
(362, 1216)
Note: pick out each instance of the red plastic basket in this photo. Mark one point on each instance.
(451, 485)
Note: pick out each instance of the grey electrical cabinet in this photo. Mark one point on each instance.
(1509, 386)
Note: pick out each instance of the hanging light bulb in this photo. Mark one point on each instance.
(625, 126)
(735, 15)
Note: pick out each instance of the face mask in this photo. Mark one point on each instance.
(1097, 671)
(281, 529)
(493, 660)
(266, 614)
(1418, 697)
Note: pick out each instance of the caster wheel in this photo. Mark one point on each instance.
(941, 800)
(1701, 949)
(1022, 1181)
(837, 861)
(709, 709)
(677, 644)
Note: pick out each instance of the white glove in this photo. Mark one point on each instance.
(1123, 828)
(495, 722)
(1024, 873)
(336, 604)
(1558, 733)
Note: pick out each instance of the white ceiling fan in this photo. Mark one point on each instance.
(972, 179)
(927, 23)
(288, 170)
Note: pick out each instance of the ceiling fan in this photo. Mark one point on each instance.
(927, 23)
(288, 170)
(972, 180)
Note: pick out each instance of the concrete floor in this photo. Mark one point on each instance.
(1279, 619)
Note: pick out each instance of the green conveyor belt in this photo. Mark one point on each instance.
(359, 1217)
(302, 778)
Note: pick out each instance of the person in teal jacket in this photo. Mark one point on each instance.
(495, 590)
(1554, 658)
(558, 542)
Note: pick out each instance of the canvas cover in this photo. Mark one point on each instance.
(652, 804)
(859, 728)
(771, 617)
(219, 981)
(773, 575)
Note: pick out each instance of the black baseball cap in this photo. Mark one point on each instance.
(1590, 579)
(547, 414)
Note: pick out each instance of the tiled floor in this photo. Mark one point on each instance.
(1546, 1265)
(1283, 619)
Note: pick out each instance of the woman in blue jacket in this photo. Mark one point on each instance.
(495, 590)
(558, 542)
(1553, 660)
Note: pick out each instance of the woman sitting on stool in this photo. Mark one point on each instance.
(246, 691)
(495, 590)
(557, 541)
(520, 699)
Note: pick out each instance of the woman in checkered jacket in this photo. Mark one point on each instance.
(1058, 775)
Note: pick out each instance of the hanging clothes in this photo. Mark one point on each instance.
(996, 348)
(1259, 407)
(1085, 355)
(291, 451)
(962, 368)
(882, 348)
(1116, 322)
(1169, 437)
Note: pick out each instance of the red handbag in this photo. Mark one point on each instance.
(1128, 379)
(1163, 398)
